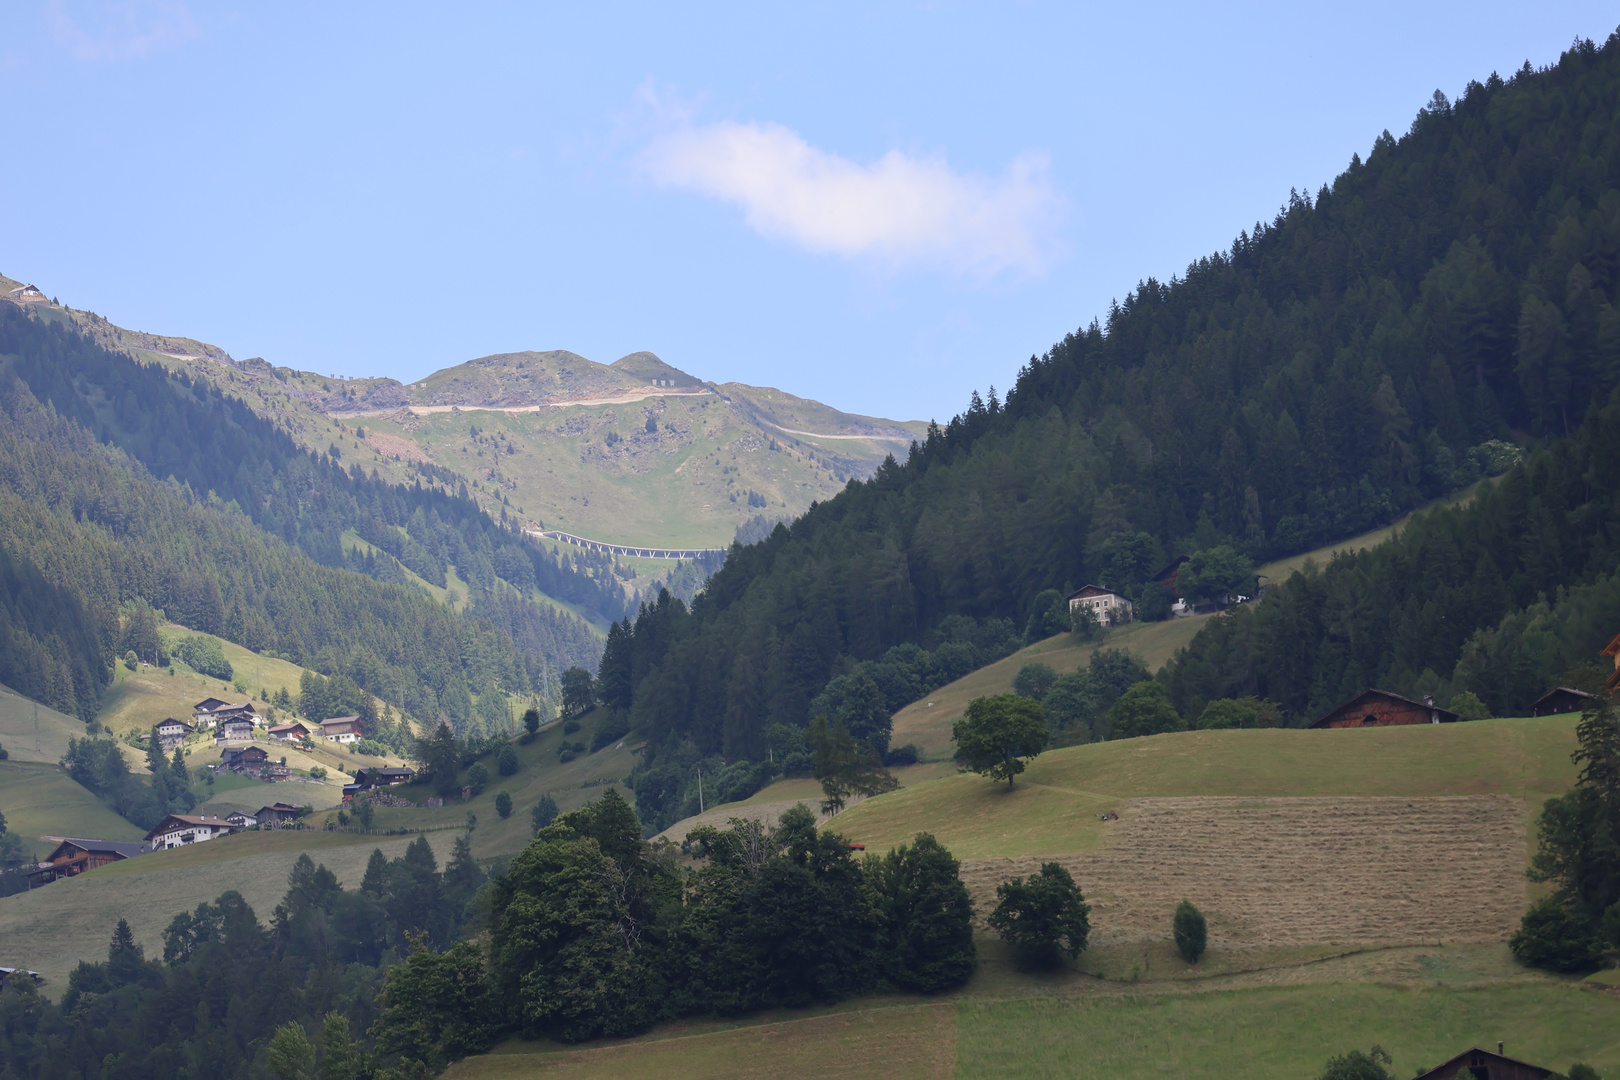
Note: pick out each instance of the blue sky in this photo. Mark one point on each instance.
(883, 206)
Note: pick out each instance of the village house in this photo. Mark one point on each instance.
(342, 729)
(1380, 708)
(278, 814)
(1478, 1064)
(211, 712)
(297, 731)
(178, 830)
(381, 776)
(237, 729)
(73, 856)
(1109, 607)
(171, 733)
(240, 820)
(243, 760)
(1167, 576)
(1562, 699)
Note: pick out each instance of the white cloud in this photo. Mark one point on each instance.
(900, 210)
(119, 30)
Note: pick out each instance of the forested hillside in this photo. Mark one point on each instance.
(1504, 598)
(186, 429)
(1341, 364)
(84, 531)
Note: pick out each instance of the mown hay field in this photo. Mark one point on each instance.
(1051, 808)
(1298, 872)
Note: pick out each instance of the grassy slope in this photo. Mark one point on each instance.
(1049, 810)
(644, 488)
(571, 785)
(927, 722)
(139, 699)
(1261, 1032)
(52, 928)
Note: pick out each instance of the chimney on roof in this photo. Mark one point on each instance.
(1499, 1052)
(1428, 699)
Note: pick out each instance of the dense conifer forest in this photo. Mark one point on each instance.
(1365, 351)
(1504, 598)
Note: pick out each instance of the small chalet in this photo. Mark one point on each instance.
(73, 856)
(237, 729)
(28, 294)
(1561, 699)
(178, 830)
(296, 731)
(1477, 1064)
(244, 760)
(171, 732)
(1380, 708)
(342, 729)
(382, 776)
(278, 814)
(1613, 649)
(1110, 608)
(240, 820)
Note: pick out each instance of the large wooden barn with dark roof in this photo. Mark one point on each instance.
(1478, 1064)
(1380, 708)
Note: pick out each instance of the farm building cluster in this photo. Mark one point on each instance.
(235, 727)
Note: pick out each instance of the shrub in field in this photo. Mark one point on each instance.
(1190, 931)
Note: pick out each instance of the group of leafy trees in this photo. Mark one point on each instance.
(1373, 347)
(1578, 853)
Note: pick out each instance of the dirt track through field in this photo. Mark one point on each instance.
(1306, 871)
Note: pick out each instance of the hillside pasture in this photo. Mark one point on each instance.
(33, 732)
(1263, 1032)
(42, 800)
(926, 723)
(571, 784)
(53, 927)
(1049, 809)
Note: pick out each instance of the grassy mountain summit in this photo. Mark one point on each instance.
(636, 452)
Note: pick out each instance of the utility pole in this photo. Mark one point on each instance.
(700, 791)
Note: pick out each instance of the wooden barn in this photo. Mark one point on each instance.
(74, 856)
(1561, 699)
(1167, 574)
(1380, 708)
(1478, 1064)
